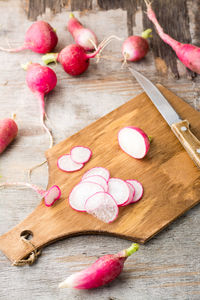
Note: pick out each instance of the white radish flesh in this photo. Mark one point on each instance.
(134, 141)
(131, 194)
(138, 189)
(52, 195)
(102, 206)
(119, 190)
(65, 163)
(97, 179)
(98, 171)
(81, 192)
(80, 155)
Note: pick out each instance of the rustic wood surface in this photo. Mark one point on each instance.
(167, 267)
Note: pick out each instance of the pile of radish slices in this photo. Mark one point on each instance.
(100, 195)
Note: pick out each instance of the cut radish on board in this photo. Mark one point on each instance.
(134, 141)
(81, 192)
(102, 206)
(138, 190)
(131, 194)
(80, 154)
(97, 179)
(119, 190)
(98, 171)
(52, 195)
(65, 163)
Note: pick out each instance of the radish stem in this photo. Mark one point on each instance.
(49, 58)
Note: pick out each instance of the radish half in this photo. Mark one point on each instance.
(52, 195)
(138, 190)
(134, 141)
(80, 154)
(81, 192)
(98, 171)
(119, 190)
(102, 206)
(97, 179)
(131, 194)
(66, 164)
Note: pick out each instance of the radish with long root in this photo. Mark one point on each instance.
(40, 38)
(82, 36)
(50, 195)
(8, 132)
(188, 54)
(103, 271)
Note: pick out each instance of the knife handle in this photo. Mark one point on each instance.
(188, 140)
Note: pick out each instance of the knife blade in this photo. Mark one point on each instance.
(181, 128)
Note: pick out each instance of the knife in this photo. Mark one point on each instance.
(179, 127)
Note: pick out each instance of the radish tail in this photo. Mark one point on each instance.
(49, 58)
(25, 184)
(35, 167)
(48, 131)
(15, 49)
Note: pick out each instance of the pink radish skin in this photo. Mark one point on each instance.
(97, 179)
(40, 38)
(135, 48)
(81, 192)
(66, 164)
(98, 171)
(80, 154)
(188, 54)
(138, 190)
(8, 131)
(119, 190)
(103, 206)
(81, 35)
(103, 271)
(131, 194)
(73, 58)
(134, 141)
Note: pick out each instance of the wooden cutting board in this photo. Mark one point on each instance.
(171, 180)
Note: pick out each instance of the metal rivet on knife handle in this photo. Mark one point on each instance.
(188, 140)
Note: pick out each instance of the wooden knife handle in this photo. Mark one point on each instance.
(188, 140)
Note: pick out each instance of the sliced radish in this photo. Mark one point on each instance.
(52, 195)
(97, 179)
(138, 189)
(80, 155)
(119, 190)
(81, 192)
(131, 194)
(102, 206)
(98, 171)
(134, 141)
(65, 163)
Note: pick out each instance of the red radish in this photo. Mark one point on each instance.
(50, 196)
(138, 190)
(98, 171)
(97, 179)
(66, 164)
(41, 80)
(8, 131)
(119, 190)
(135, 47)
(131, 194)
(188, 54)
(40, 38)
(134, 141)
(103, 271)
(81, 192)
(80, 154)
(82, 36)
(103, 206)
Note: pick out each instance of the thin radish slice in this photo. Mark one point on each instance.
(98, 171)
(119, 190)
(97, 179)
(131, 194)
(65, 163)
(102, 206)
(52, 195)
(138, 189)
(81, 192)
(80, 154)
(134, 141)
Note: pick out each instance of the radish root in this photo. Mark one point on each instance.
(104, 43)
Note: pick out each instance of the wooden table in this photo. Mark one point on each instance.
(167, 267)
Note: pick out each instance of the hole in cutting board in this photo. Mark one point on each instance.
(26, 234)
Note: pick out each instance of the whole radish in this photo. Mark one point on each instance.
(136, 47)
(103, 271)
(40, 38)
(188, 54)
(82, 36)
(8, 131)
(41, 80)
